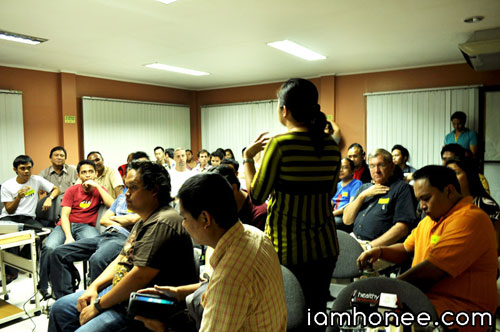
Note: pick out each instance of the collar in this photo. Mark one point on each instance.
(231, 235)
(52, 169)
(467, 200)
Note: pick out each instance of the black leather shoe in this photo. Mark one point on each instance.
(45, 294)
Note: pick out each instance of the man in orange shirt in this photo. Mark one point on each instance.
(454, 249)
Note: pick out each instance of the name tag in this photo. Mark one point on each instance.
(383, 200)
(435, 239)
(130, 211)
(29, 192)
(345, 194)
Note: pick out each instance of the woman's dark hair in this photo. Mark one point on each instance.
(154, 178)
(230, 151)
(351, 163)
(468, 165)
(300, 97)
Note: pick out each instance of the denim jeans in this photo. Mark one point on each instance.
(55, 239)
(99, 251)
(64, 316)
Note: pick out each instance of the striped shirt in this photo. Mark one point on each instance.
(301, 184)
(246, 291)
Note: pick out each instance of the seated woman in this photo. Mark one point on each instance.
(470, 184)
(400, 157)
(346, 190)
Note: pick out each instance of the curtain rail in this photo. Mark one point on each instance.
(132, 101)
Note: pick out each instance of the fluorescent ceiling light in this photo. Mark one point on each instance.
(17, 37)
(166, 1)
(297, 50)
(176, 69)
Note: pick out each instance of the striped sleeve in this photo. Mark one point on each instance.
(263, 181)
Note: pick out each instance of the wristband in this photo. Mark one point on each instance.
(98, 306)
(248, 160)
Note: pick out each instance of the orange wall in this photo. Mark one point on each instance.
(350, 102)
(47, 97)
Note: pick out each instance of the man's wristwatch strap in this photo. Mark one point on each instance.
(97, 305)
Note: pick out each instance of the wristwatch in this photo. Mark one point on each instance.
(248, 160)
(98, 306)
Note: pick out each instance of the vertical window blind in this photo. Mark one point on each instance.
(236, 126)
(11, 131)
(118, 127)
(418, 120)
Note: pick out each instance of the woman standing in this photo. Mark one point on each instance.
(299, 170)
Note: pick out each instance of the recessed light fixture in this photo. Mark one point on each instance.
(166, 1)
(474, 19)
(17, 37)
(176, 69)
(297, 50)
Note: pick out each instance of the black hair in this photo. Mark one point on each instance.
(231, 161)
(403, 150)
(300, 97)
(189, 150)
(154, 178)
(212, 193)
(228, 173)
(58, 148)
(203, 151)
(459, 115)
(356, 145)
(85, 162)
(22, 159)
(351, 163)
(456, 149)
(230, 151)
(438, 176)
(139, 155)
(170, 152)
(92, 152)
(159, 148)
(221, 151)
(217, 153)
(468, 165)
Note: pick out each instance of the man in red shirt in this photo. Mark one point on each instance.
(80, 207)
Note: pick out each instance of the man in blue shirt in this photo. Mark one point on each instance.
(460, 135)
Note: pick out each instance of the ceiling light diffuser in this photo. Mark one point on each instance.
(297, 50)
(166, 1)
(17, 37)
(176, 69)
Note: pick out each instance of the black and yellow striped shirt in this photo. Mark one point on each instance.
(301, 183)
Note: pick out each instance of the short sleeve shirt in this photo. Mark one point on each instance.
(110, 179)
(84, 205)
(27, 205)
(161, 243)
(344, 194)
(466, 139)
(379, 213)
(64, 180)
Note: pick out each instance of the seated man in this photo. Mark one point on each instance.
(99, 250)
(216, 158)
(190, 161)
(107, 177)
(454, 246)
(179, 173)
(158, 251)
(80, 207)
(20, 198)
(203, 159)
(400, 157)
(357, 155)
(59, 173)
(382, 213)
(347, 188)
(246, 291)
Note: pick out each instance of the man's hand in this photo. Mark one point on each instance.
(163, 290)
(22, 192)
(375, 190)
(89, 184)
(87, 298)
(88, 313)
(47, 204)
(152, 324)
(259, 145)
(367, 258)
(125, 220)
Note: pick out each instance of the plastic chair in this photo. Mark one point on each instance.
(349, 251)
(295, 301)
(409, 296)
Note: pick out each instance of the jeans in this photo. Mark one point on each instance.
(65, 317)
(100, 251)
(55, 239)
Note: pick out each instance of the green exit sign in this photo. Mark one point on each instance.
(70, 119)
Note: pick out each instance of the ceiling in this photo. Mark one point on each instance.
(227, 38)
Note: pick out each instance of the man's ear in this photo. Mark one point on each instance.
(206, 219)
(450, 190)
